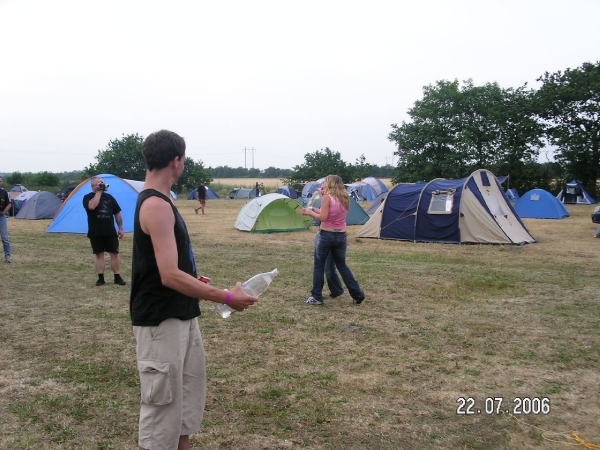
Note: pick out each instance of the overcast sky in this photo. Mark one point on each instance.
(283, 78)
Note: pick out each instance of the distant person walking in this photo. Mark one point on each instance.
(5, 206)
(102, 211)
(332, 239)
(164, 305)
(201, 197)
(257, 187)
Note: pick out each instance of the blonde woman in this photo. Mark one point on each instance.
(332, 239)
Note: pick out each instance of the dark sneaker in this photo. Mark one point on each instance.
(120, 281)
(358, 301)
(100, 282)
(313, 301)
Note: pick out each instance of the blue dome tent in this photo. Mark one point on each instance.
(540, 204)
(288, 191)
(72, 218)
(210, 194)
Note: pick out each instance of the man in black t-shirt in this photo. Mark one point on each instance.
(102, 210)
(201, 197)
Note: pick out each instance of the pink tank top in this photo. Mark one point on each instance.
(337, 214)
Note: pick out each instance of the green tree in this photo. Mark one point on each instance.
(14, 178)
(362, 169)
(122, 157)
(426, 146)
(569, 104)
(272, 172)
(387, 171)
(320, 164)
(46, 179)
(456, 130)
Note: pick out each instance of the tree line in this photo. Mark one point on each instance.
(455, 129)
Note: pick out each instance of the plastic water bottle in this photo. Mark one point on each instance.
(315, 197)
(255, 286)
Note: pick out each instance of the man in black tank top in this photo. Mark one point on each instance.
(164, 304)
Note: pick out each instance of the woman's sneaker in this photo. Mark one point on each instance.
(358, 301)
(313, 301)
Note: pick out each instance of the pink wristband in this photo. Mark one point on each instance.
(228, 301)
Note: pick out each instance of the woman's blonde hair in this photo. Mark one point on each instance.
(334, 186)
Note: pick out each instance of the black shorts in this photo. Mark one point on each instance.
(101, 244)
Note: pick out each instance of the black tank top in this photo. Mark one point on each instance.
(150, 301)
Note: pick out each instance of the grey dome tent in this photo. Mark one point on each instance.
(242, 193)
(311, 187)
(42, 205)
(369, 188)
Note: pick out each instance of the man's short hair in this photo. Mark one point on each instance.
(161, 147)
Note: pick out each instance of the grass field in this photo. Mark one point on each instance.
(439, 323)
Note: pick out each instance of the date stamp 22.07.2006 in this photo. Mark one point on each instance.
(498, 405)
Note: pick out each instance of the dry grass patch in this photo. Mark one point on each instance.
(440, 322)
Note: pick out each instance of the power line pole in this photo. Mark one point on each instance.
(245, 156)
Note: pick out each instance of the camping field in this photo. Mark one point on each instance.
(510, 334)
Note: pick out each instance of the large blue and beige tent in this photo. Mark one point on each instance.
(272, 213)
(468, 210)
(540, 204)
(574, 193)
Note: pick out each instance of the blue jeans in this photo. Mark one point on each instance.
(4, 234)
(333, 281)
(334, 244)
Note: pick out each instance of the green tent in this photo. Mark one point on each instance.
(271, 213)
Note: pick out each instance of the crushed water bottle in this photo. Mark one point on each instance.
(255, 286)
(314, 199)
